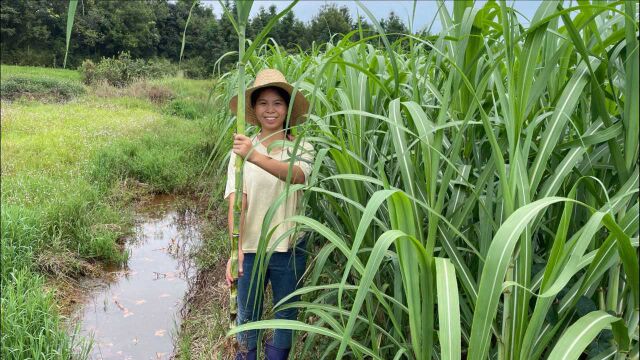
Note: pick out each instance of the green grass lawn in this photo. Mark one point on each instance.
(53, 139)
(39, 72)
(62, 170)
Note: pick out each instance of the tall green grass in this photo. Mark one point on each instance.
(475, 192)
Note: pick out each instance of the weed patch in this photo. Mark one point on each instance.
(166, 163)
(123, 70)
(184, 108)
(141, 89)
(43, 89)
(31, 325)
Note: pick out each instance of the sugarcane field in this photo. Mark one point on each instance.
(320, 179)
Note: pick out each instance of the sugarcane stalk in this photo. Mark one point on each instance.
(237, 204)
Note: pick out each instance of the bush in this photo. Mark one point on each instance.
(159, 68)
(195, 68)
(88, 71)
(158, 94)
(184, 108)
(39, 88)
(124, 70)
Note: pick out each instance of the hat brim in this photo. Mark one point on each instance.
(299, 105)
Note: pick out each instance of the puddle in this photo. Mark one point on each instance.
(136, 315)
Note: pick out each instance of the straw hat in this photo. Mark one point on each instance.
(267, 78)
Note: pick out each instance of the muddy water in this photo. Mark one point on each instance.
(135, 316)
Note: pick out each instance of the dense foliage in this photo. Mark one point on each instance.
(123, 70)
(33, 31)
(474, 194)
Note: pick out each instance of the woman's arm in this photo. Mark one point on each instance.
(277, 168)
(242, 146)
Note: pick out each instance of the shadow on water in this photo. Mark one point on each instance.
(135, 315)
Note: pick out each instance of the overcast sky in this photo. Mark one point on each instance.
(425, 9)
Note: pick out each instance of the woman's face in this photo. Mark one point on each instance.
(271, 110)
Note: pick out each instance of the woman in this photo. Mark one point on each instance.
(264, 180)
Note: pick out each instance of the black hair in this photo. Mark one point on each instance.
(283, 94)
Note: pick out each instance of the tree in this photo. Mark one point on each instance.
(33, 32)
(329, 21)
(9, 20)
(393, 26)
(363, 26)
(169, 18)
(260, 20)
(288, 32)
(228, 37)
(129, 26)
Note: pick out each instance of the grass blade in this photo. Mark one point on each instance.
(448, 310)
(71, 13)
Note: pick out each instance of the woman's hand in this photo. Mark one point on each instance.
(242, 146)
(240, 270)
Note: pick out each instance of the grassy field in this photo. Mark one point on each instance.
(38, 72)
(70, 170)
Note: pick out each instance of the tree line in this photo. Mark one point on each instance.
(33, 31)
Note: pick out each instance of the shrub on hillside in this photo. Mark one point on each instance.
(39, 88)
(158, 94)
(123, 70)
(88, 71)
(159, 68)
(195, 68)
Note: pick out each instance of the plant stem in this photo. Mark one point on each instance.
(237, 205)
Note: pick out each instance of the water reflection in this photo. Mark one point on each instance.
(135, 316)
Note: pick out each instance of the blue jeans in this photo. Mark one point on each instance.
(284, 270)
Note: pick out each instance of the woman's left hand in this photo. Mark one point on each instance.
(242, 147)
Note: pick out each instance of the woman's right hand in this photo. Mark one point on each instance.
(240, 270)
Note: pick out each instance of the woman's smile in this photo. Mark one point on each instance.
(270, 119)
